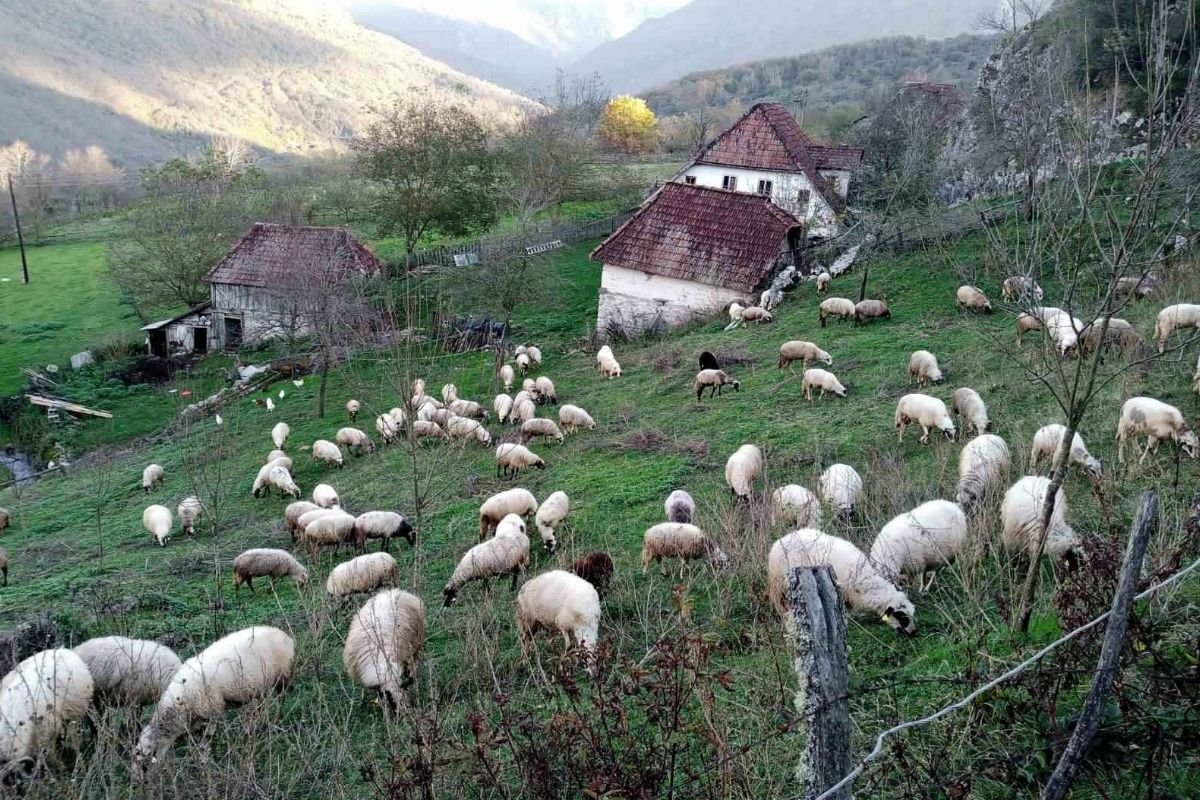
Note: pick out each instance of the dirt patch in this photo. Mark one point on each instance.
(652, 440)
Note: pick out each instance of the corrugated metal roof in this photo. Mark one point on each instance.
(275, 255)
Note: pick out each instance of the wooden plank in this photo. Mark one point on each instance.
(73, 408)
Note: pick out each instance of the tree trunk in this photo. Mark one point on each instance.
(324, 383)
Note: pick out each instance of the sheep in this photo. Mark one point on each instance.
(735, 314)
(6, 517)
(352, 409)
(535, 355)
(926, 411)
(550, 515)
(770, 298)
(1020, 287)
(231, 671)
(983, 463)
(923, 368)
(129, 672)
(294, 511)
(841, 487)
(680, 506)
(189, 512)
(680, 540)
(276, 455)
(1137, 286)
(388, 428)
(279, 434)
(756, 314)
(502, 504)
(610, 368)
(863, 588)
(1025, 324)
(157, 522)
(708, 361)
(39, 699)
(511, 458)
(806, 352)
(523, 410)
(275, 474)
(1048, 440)
(795, 506)
(3, 567)
(418, 393)
(354, 440)
(266, 562)
(384, 641)
(307, 518)
(507, 376)
(427, 430)
(328, 529)
(595, 568)
(325, 496)
(967, 404)
(523, 363)
(382, 525)
(365, 573)
(604, 352)
(502, 405)
(823, 281)
(1195, 386)
(1021, 520)
(821, 379)
(533, 428)
(469, 409)
(1064, 332)
(572, 418)
(425, 400)
(461, 428)
(559, 601)
(152, 476)
(1157, 421)
(865, 310)
(971, 299)
(1172, 318)
(835, 307)
(1120, 334)
(742, 469)
(328, 452)
(713, 380)
(506, 554)
(449, 393)
(545, 390)
(921, 541)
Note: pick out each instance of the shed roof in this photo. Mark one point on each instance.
(274, 255)
(162, 323)
(702, 234)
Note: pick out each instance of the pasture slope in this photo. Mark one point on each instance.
(78, 554)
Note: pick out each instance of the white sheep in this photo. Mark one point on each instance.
(152, 476)
(293, 512)
(610, 368)
(354, 440)
(921, 541)
(532, 428)
(735, 315)
(823, 281)
(742, 469)
(835, 307)
(550, 516)
(326, 451)
(231, 671)
(805, 352)
(1021, 520)
(417, 393)
(439, 416)
(275, 474)
(572, 418)
(535, 355)
(604, 352)
(39, 699)
(562, 602)
(864, 589)
(668, 540)
(352, 409)
(427, 430)
(926, 411)
(680, 506)
(388, 428)
(468, 408)
(325, 496)
(382, 525)
(713, 380)
(1065, 331)
(266, 562)
(841, 487)
(449, 393)
(502, 405)
(756, 314)
(307, 518)
(523, 363)
(329, 529)
(523, 409)
(157, 522)
(507, 376)
(384, 642)
(279, 434)
(923, 368)
(795, 506)
(969, 297)
(823, 380)
(983, 464)
(132, 672)
(1048, 440)
(967, 404)
(500, 505)
(1157, 421)
(464, 429)
(507, 553)
(365, 573)
(189, 512)
(1173, 318)
(511, 458)
(277, 455)
(546, 391)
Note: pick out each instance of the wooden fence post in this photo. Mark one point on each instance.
(818, 627)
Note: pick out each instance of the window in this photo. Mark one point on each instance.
(690, 180)
(764, 188)
(729, 182)
(802, 198)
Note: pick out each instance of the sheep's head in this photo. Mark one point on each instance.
(449, 596)
(737, 385)
(946, 426)
(550, 543)
(901, 615)
(301, 577)
(1188, 442)
(406, 531)
(539, 464)
(827, 360)
(1092, 465)
(1071, 559)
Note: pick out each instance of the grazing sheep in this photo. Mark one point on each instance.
(419, 403)
(1138, 286)
(1021, 519)
(277, 455)
(680, 506)
(926, 411)
(742, 469)
(562, 602)
(835, 307)
(863, 588)
(39, 699)
(923, 368)
(806, 352)
(189, 512)
(1020, 287)
(610, 368)
(502, 504)
(439, 416)
(550, 515)
(329, 529)
(422, 429)
(1157, 421)
(572, 418)
(231, 671)
(354, 440)
(821, 379)
(795, 506)
(982, 465)
(388, 428)
(681, 540)
(266, 562)
(1064, 332)
(842, 488)
(461, 428)
(385, 639)
(865, 310)
(507, 376)
(595, 568)
(511, 458)
(1025, 324)
(128, 672)
(535, 355)
(604, 352)
(325, 496)
(708, 361)
(6, 517)
(3, 567)
(292, 514)
(157, 521)
(152, 476)
(969, 405)
(971, 299)
(921, 541)
(382, 525)
(1048, 440)
(449, 393)
(418, 393)
(823, 281)
(1171, 319)
(545, 390)
(362, 574)
(307, 518)
(397, 415)
(523, 363)
(507, 553)
(469, 409)
(770, 298)
(502, 405)
(713, 380)
(523, 409)
(275, 474)
(352, 409)
(279, 434)
(533, 428)
(735, 314)
(756, 314)
(328, 452)
(1120, 335)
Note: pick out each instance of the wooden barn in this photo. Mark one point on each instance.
(188, 332)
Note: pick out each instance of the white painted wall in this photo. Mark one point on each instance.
(636, 300)
(784, 189)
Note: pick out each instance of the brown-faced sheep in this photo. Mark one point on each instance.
(969, 298)
(511, 458)
(595, 568)
(266, 562)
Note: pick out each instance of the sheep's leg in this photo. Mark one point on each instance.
(662, 567)
(515, 574)
(924, 435)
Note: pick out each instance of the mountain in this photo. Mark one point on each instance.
(706, 34)
(151, 79)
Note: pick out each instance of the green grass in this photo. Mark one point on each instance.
(79, 554)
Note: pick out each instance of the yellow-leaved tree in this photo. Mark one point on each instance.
(627, 125)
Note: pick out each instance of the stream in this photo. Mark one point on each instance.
(18, 464)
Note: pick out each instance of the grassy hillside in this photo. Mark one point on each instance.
(79, 555)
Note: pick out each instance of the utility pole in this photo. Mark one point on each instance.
(20, 239)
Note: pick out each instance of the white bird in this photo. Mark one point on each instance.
(219, 420)
(281, 394)
(270, 405)
(298, 382)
